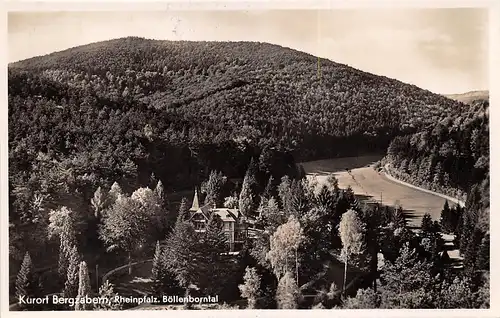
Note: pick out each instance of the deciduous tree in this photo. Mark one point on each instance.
(284, 245)
(126, 226)
(352, 236)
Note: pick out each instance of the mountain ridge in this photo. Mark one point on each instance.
(95, 45)
(470, 96)
(241, 96)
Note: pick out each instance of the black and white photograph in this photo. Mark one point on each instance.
(324, 159)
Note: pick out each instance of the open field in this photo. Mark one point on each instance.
(366, 181)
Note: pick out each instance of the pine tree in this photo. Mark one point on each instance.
(325, 199)
(214, 266)
(62, 225)
(426, 226)
(98, 202)
(406, 282)
(83, 287)
(466, 233)
(115, 193)
(71, 284)
(459, 228)
(483, 257)
(287, 294)
(106, 292)
(471, 254)
(365, 299)
(25, 282)
(269, 189)
(246, 200)
(160, 193)
(446, 218)
(251, 287)
(214, 187)
(183, 211)
(157, 272)
(398, 218)
(247, 195)
(182, 256)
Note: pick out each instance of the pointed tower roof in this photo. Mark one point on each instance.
(196, 205)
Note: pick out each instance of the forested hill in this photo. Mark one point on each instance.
(470, 97)
(110, 108)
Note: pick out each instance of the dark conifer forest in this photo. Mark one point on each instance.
(110, 136)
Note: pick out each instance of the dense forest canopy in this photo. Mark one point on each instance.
(146, 101)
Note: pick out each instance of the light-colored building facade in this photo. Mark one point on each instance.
(235, 225)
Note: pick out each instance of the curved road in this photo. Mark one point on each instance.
(380, 187)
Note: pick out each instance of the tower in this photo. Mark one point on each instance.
(196, 205)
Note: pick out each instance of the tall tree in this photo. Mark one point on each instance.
(365, 299)
(352, 236)
(62, 225)
(284, 245)
(151, 207)
(287, 294)
(457, 294)
(182, 256)
(106, 292)
(160, 193)
(214, 266)
(483, 257)
(269, 189)
(246, 199)
(426, 226)
(115, 193)
(407, 282)
(83, 287)
(98, 202)
(71, 284)
(183, 213)
(25, 282)
(157, 270)
(126, 227)
(251, 287)
(398, 218)
(213, 188)
(446, 216)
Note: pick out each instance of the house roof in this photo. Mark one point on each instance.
(227, 215)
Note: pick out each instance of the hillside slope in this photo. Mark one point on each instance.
(470, 97)
(133, 106)
(256, 91)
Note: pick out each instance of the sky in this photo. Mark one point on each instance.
(442, 50)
